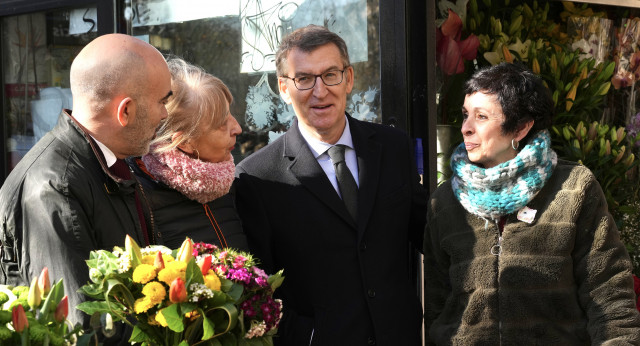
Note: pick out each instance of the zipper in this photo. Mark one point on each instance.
(152, 233)
(496, 250)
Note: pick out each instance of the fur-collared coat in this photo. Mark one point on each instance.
(564, 279)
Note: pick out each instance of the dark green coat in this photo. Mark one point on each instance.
(564, 279)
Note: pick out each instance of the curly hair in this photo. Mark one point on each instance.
(522, 95)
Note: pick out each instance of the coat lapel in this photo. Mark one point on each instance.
(368, 152)
(306, 169)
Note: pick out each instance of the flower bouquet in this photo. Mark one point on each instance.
(36, 315)
(198, 294)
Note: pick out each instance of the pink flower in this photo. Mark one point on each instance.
(239, 261)
(450, 50)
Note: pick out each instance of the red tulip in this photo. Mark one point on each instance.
(43, 282)
(177, 291)
(469, 47)
(159, 262)
(19, 318)
(62, 310)
(206, 265)
(450, 51)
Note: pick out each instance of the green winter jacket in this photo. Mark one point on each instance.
(564, 279)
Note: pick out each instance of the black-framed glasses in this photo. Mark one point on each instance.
(308, 81)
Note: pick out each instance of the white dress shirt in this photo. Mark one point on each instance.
(109, 157)
(319, 151)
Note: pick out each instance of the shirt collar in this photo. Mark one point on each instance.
(109, 157)
(319, 147)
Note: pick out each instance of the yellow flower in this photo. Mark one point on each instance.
(212, 281)
(150, 259)
(154, 291)
(171, 271)
(160, 319)
(142, 305)
(144, 273)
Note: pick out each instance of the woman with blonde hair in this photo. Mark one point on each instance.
(188, 173)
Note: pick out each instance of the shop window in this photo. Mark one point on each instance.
(236, 41)
(38, 49)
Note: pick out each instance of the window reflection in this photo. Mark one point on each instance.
(38, 49)
(237, 43)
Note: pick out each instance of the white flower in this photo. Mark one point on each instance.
(152, 250)
(257, 329)
(199, 292)
(124, 263)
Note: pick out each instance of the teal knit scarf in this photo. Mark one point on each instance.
(508, 187)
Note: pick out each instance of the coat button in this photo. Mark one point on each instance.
(363, 246)
(371, 293)
(371, 341)
(159, 235)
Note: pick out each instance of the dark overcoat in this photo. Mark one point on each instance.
(346, 282)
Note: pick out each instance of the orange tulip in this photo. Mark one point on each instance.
(62, 310)
(159, 262)
(206, 265)
(43, 282)
(177, 291)
(19, 318)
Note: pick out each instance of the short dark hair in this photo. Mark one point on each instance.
(307, 39)
(521, 93)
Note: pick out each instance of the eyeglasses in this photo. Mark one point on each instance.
(308, 81)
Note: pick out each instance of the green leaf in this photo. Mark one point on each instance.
(138, 335)
(50, 304)
(173, 317)
(193, 273)
(603, 89)
(236, 291)
(208, 327)
(183, 343)
(91, 307)
(276, 279)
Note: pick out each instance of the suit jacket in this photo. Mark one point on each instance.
(346, 282)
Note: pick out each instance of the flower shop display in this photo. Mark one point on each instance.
(570, 45)
(591, 36)
(36, 315)
(627, 55)
(188, 296)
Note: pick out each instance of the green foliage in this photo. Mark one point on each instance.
(41, 328)
(604, 150)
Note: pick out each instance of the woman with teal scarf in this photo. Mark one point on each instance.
(520, 248)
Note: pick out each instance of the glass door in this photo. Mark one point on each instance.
(236, 40)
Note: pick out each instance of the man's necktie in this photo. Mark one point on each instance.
(346, 183)
(121, 170)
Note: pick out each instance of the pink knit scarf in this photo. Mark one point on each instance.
(197, 180)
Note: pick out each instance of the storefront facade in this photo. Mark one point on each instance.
(234, 40)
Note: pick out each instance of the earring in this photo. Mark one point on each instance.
(515, 144)
(197, 153)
